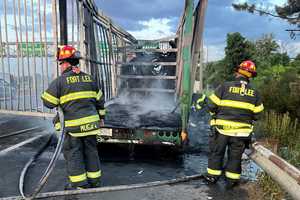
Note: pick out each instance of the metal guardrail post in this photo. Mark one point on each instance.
(285, 174)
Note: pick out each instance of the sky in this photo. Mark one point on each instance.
(155, 19)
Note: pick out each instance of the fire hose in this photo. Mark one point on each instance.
(50, 167)
(37, 195)
(111, 188)
(20, 132)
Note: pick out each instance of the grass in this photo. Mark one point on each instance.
(271, 190)
(280, 127)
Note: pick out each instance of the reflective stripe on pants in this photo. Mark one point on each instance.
(78, 178)
(93, 175)
(217, 149)
(232, 175)
(214, 172)
(81, 154)
(92, 160)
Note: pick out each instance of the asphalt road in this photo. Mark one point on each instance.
(117, 169)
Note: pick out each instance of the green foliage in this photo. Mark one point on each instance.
(269, 74)
(274, 86)
(237, 50)
(215, 73)
(271, 190)
(280, 58)
(275, 71)
(296, 63)
(290, 11)
(265, 46)
(278, 82)
(280, 127)
(266, 53)
(297, 58)
(291, 153)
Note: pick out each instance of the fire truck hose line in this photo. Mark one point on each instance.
(50, 167)
(20, 132)
(111, 188)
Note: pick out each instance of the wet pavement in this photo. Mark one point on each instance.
(117, 169)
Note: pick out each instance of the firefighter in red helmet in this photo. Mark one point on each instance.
(236, 105)
(247, 68)
(67, 56)
(82, 102)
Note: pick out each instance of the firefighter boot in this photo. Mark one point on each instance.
(230, 184)
(70, 187)
(95, 185)
(210, 179)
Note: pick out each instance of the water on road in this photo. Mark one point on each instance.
(118, 168)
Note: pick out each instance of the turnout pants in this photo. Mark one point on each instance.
(217, 147)
(83, 164)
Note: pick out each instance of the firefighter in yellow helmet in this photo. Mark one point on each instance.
(236, 105)
(82, 103)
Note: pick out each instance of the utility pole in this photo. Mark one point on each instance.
(63, 22)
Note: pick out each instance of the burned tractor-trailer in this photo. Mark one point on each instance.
(144, 110)
(147, 84)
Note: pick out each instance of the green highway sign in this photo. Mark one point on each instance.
(148, 44)
(32, 49)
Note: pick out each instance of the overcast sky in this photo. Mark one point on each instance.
(154, 19)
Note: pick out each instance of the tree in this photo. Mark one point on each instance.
(280, 58)
(296, 63)
(276, 91)
(214, 73)
(289, 12)
(297, 58)
(267, 54)
(264, 52)
(266, 45)
(237, 50)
